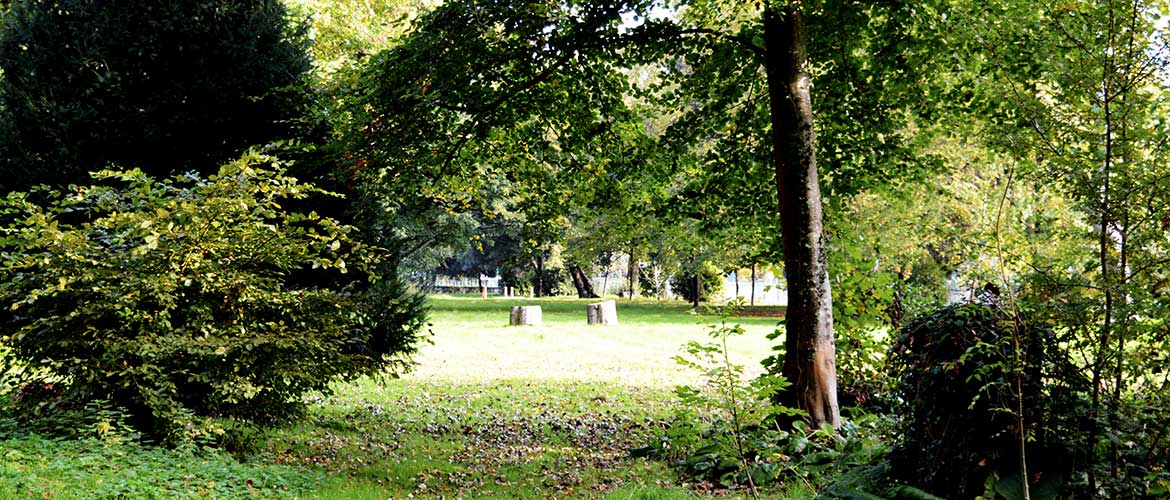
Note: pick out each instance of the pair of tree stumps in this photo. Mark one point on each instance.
(600, 313)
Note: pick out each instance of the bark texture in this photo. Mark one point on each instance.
(538, 276)
(602, 313)
(582, 283)
(809, 362)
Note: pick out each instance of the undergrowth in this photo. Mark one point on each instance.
(729, 431)
(104, 460)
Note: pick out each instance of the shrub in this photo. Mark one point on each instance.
(957, 370)
(191, 297)
(683, 284)
(729, 431)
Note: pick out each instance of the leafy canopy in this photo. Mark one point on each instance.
(161, 86)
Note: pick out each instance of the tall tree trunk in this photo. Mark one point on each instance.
(660, 287)
(1105, 244)
(809, 362)
(753, 302)
(697, 290)
(606, 261)
(538, 279)
(632, 275)
(581, 283)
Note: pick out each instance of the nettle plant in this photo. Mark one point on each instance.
(182, 297)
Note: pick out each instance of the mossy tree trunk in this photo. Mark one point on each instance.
(809, 362)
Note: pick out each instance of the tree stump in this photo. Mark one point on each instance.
(602, 313)
(525, 315)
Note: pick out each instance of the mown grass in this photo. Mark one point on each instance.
(474, 342)
(491, 411)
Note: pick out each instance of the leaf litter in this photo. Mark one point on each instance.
(451, 440)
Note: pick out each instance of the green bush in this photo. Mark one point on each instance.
(683, 284)
(730, 431)
(189, 298)
(957, 370)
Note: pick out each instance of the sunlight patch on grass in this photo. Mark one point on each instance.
(473, 342)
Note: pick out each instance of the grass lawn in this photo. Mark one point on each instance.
(491, 411)
(474, 342)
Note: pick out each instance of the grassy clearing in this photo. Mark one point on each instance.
(494, 411)
(491, 412)
(473, 342)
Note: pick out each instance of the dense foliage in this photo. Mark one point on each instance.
(191, 296)
(965, 374)
(547, 140)
(710, 284)
(161, 86)
(103, 459)
(730, 433)
(1090, 124)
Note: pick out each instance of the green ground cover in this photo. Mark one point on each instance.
(491, 411)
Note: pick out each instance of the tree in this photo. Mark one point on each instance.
(491, 246)
(162, 86)
(345, 31)
(809, 355)
(870, 59)
(1091, 121)
(478, 68)
(453, 119)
